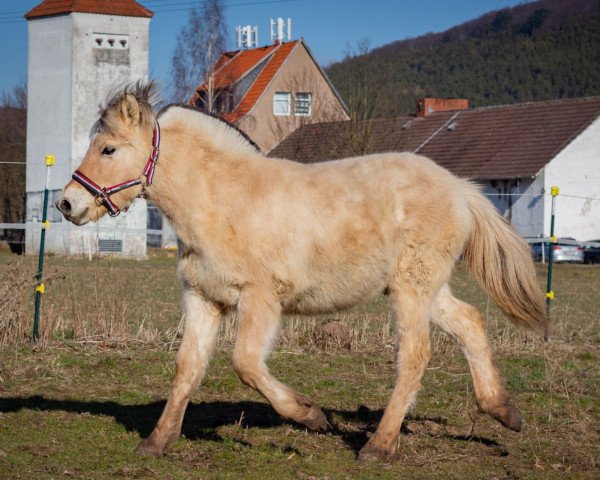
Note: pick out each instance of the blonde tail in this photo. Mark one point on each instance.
(501, 262)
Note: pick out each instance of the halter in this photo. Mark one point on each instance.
(102, 194)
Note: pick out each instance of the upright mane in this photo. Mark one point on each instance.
(144, 92)
(220, 133)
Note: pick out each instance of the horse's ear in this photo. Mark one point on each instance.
(130, 110)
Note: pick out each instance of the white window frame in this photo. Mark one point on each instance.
(297, 100)
(282, 99)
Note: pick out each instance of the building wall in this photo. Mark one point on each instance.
(298, 74)
(49, 101)
(576, 171)
(68, 77)
(520, 201)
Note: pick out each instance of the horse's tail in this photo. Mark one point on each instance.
(501, 262)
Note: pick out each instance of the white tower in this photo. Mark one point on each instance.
(78, 50)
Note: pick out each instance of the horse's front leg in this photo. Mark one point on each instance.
(259, 317)
(199, 335)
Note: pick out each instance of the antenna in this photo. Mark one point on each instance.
(246, 36)
(279, 28)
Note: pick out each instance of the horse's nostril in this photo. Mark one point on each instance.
(64, 206)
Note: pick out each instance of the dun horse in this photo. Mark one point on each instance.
(265, 236)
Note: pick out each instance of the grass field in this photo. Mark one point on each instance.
(76, 406)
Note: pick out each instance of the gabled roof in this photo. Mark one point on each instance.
(232, 67)
(511, 141)
(127, 8)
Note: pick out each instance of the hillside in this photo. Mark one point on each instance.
(537, 51)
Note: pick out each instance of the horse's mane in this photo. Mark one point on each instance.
(219, 132)
(144, 92)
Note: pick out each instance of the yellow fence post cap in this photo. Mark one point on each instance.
(550, 295)
(46, 225)
(554, 190)
(554, 239)
(40, 288)
(49, 160)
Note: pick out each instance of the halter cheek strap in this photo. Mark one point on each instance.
(102, 194)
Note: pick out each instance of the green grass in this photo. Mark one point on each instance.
(77, 409)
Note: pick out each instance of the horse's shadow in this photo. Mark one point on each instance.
(203, 419)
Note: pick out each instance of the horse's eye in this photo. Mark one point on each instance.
(108, 151)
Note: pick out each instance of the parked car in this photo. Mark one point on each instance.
(591, 254)
(561, 252)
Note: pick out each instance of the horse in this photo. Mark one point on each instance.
(262, 236)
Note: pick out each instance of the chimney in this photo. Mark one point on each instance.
(427, 106)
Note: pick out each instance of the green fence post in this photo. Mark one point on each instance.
(39, 287)
(549, 292)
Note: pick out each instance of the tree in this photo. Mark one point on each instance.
(362, 91)
(200, 43)
(13, 134)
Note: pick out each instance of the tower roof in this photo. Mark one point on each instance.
(126, 8)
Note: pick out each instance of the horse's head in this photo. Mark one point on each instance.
(122, 141)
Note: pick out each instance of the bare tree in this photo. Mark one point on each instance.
(362, 89)
(13, 134)
(200, 43)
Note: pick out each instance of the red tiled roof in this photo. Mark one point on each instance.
(511, 141)
(127, 8)
(233, 66)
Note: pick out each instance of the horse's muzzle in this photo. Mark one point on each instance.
(74, 211)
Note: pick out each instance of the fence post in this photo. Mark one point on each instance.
(549, 292)
(39, 288)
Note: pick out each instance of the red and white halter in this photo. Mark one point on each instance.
(102, 194)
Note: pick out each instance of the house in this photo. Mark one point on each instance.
(516, 152)
(78, 49)
(270, 91)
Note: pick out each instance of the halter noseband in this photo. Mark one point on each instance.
(102, 194)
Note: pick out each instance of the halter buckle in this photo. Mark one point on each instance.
(100, 197)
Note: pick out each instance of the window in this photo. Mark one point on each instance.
(282, 103)
(302, 104)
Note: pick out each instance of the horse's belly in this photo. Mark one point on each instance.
(339, 290)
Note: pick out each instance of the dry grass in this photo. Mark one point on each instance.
(126, 303)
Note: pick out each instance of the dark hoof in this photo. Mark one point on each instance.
(372, 453)
(316, 420)
(310, 415)
(148, 448)
(509, 416)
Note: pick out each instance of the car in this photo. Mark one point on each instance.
(561, 252)
(591, 254)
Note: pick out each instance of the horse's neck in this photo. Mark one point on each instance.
(181, 186)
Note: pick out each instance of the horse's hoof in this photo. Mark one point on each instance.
(310, 414)
(316, 420)
(508, 415)
(148, 448)
(372, 453)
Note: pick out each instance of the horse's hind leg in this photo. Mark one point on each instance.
(465, 324)
(199, 335)
(259, 317)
